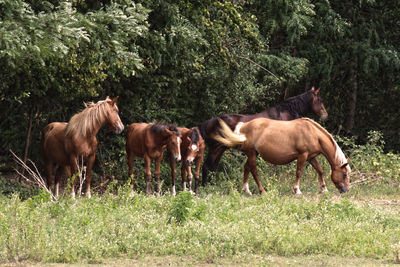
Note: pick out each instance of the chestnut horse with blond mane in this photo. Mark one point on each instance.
(67, 145)
(280, 142)
(292, 108)
(192, 149)
(148, 141)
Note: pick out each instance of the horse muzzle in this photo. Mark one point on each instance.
(189, 162)
(119, 129)
(343, 189)
(324, 116)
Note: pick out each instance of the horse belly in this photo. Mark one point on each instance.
(276, 150)
(278, 158)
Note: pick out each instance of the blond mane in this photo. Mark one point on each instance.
(339, 155)
(93, 116)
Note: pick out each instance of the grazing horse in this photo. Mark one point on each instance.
(192, 149)
(66, 145)
(293, 108)
(148, 141)
(280, 142)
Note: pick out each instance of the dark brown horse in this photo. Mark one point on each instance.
(67, 145)
(280, 142)
(192, 149)
(148, 141)
(293, 108)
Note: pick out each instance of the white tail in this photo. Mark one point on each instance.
(227, 137)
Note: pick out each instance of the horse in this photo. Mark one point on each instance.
(293, 108)
(281, 142)
(148, 141)
(66, 145)
(192, 149)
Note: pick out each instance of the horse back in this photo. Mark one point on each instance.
(136, 138)
(298, 134)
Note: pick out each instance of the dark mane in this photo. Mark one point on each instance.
(160, 126)
(298, 106)
(194, 135)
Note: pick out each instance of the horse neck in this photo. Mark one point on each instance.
(298, 107)
(331, 151)
(263, 114)
(90, 129)
(159, 140)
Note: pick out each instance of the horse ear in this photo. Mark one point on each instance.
(114, 100)
(316, 92)
(167, 133)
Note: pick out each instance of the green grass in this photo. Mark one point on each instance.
(132, 225)
(221, 225)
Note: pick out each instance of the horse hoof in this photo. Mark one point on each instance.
(297, 192)
(323, 190)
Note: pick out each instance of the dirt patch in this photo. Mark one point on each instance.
(317, 260)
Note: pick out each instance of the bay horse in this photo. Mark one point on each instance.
(280, 142)
(192, 149)
(148, 141)
(67, 145)
(292, 108)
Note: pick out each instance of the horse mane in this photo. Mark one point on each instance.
(194, 135)
(298, 106)
(339, 155)
(160, 126)
(84, 122)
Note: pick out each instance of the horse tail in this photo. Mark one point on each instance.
(203, 130)
(227, 137)
(44, 131)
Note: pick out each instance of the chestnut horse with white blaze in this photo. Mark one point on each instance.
(148, 141)
(66, 145)
(292, 108)
(192, 149)
(280, 142)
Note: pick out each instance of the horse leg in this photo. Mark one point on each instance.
(183, 174)
(172, 164)
(213, 157)
(89, 167)
(245, 186)
(197, 175)
(199, 159)
(157, 174)
(131, 158)
(147, 173)
(49, 175)
(59, 174)
(74, 174)
(301, 161)
(314, 162)
(251, 165)
(190, 177)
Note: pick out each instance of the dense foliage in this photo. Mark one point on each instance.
(186, 61)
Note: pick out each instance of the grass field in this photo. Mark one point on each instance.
(221, 226)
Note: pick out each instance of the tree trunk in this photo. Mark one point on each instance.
(28, 135)
(349, 122)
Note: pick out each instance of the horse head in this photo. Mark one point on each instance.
(173, 141)
(317, 105)
(113, 120)
(340, 177)
(193, 139)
